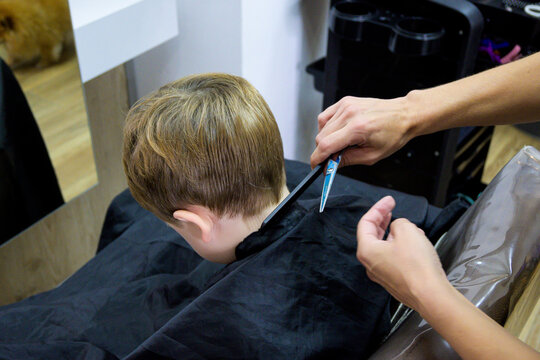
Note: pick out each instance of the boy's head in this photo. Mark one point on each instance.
(207, 141)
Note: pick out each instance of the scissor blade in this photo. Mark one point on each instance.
(330, 174)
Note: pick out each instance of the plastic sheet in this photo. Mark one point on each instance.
(488, 255)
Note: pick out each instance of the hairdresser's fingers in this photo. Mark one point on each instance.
(352, 105)
(335, 123)
(385, 223)
(327, 114)
(328, 146)
(359, 155)
(401, 227)
(372, 226)
(334, 143)
(415, 250)
(372, 277)
(377, 217)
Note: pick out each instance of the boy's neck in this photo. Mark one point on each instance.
(254, 223)
(232, 231)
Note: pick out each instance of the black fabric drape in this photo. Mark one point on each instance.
(28, 186)
(296, 290)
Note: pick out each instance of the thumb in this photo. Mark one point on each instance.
(371, 227)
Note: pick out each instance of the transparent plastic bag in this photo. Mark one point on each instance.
(488, 255)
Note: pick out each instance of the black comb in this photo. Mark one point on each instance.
(291, 198)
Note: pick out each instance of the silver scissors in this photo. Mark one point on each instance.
(329, 176)
(303, 185)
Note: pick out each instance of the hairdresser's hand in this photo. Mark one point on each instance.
(378, 127)
(405, 264)
(408, 267)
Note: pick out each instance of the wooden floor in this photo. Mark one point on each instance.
(56, 98)
(524, 322)
(507, 140)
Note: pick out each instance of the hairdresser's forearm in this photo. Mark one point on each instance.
(470, 332)
(507, 94)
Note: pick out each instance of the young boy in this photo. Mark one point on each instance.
(204, 154)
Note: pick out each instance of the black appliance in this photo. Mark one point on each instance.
(386, 48)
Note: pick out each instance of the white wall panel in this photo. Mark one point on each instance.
(279, 39)
(269, 42)
(109, 33)
(208, 41)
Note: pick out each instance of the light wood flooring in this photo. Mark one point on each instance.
(56, 98)
(506, 142)
(524, 322)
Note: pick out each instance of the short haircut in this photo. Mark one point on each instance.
(208, 140)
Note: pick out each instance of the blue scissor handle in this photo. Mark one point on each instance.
(330, 174)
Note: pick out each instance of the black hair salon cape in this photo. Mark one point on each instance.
(296, 290)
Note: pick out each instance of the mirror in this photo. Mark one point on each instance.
(46, 156)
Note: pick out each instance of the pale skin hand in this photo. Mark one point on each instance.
(405, 262)
(507, 94)
(408, 267)
(376, 127)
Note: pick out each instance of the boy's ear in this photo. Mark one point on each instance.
(199, 219)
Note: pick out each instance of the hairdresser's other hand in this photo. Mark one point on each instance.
(405, 264)
(378, 127)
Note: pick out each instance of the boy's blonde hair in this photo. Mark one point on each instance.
(208, 140)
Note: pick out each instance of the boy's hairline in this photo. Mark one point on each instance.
(163, 96)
